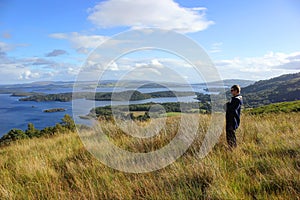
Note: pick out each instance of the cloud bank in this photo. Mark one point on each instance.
(165, 14)
(258, 68)
(82, 43)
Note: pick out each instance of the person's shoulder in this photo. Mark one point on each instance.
(239, 98)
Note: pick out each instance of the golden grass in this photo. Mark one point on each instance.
(265, 165)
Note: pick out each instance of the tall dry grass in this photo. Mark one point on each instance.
(265, 165)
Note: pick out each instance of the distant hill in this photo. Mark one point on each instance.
(278, 89)
(231, 82)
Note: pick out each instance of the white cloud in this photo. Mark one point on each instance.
(151, 70)
(267, 66)
(72, 71)
(27, 75)
(34, 69)
(5, 47)
(147, 70)
(156, 63)
(59, 35)
(216, 47)
(165, 14)
(14, 72)
(155, 69)
(114, 67)
(82, 43)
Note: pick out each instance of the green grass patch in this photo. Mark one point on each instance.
(284, 107)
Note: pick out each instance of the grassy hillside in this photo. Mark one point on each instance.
(265, 165)
(278, 89)
(285, 107)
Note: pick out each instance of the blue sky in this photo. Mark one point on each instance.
(50, 40)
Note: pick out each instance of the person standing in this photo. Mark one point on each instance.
(233, 112)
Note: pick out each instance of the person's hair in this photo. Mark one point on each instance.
(237, 88)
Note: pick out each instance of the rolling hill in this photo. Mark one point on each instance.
(278, 89)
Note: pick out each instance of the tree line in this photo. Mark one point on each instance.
(67, 125)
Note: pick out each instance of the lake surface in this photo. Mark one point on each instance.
(17, 114)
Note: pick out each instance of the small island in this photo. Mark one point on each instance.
(54, 110)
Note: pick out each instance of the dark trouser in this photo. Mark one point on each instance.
(230, 137)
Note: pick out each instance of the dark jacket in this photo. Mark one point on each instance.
(233, 112)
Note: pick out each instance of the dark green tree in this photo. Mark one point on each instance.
(12, 135)
(32, 131)
(48, 131)
(59, 128)
(68, 122)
